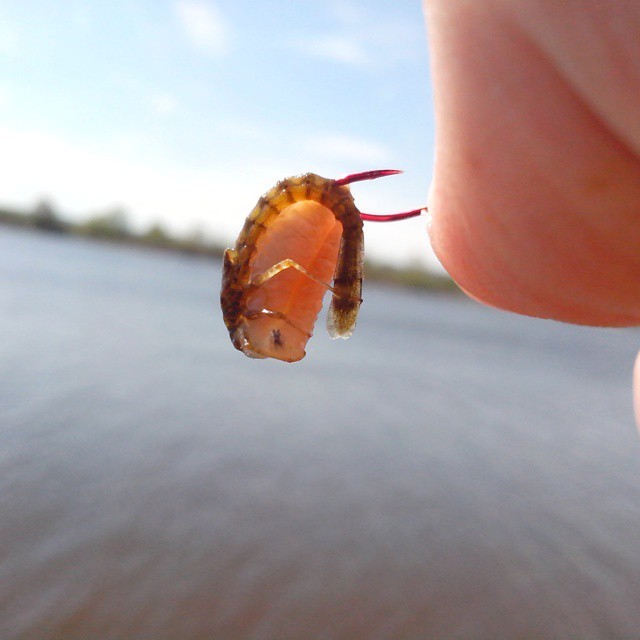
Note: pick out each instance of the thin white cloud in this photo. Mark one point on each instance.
(365, 39)
(164, 104)
(338, 48)
(203, 25)
(348, 148)
(347, 12)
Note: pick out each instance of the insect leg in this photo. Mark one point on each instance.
(391, 217)
(367, 175)
(287, 263)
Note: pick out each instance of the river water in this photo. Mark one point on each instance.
(450, 471)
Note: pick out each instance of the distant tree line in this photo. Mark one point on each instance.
(113, 226)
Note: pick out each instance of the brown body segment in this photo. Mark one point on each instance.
(245, 318)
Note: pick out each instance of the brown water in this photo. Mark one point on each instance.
(449, 472)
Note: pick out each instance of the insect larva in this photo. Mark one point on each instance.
(304, 236)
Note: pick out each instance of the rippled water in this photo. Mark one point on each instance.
(449, 472)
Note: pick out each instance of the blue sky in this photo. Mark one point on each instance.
(185, 111)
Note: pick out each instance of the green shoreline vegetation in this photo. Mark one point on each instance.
(113, 226)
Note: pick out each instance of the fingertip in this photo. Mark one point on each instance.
(534, 202)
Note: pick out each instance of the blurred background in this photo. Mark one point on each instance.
(451, 471)
(183, 113)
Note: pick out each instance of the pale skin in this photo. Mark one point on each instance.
(535, 201)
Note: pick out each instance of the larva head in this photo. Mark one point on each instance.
(266, 336)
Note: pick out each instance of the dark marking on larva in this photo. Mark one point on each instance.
(249, 226)
(344, 200)
(263, 203)
(324, 194)
(289, 194)
(277, 338)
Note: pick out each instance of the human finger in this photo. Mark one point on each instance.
(535, 201)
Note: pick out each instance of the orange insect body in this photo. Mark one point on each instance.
(302, 233)
(303, 237)
(307, 233)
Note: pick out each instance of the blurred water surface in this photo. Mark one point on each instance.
(449, 472)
